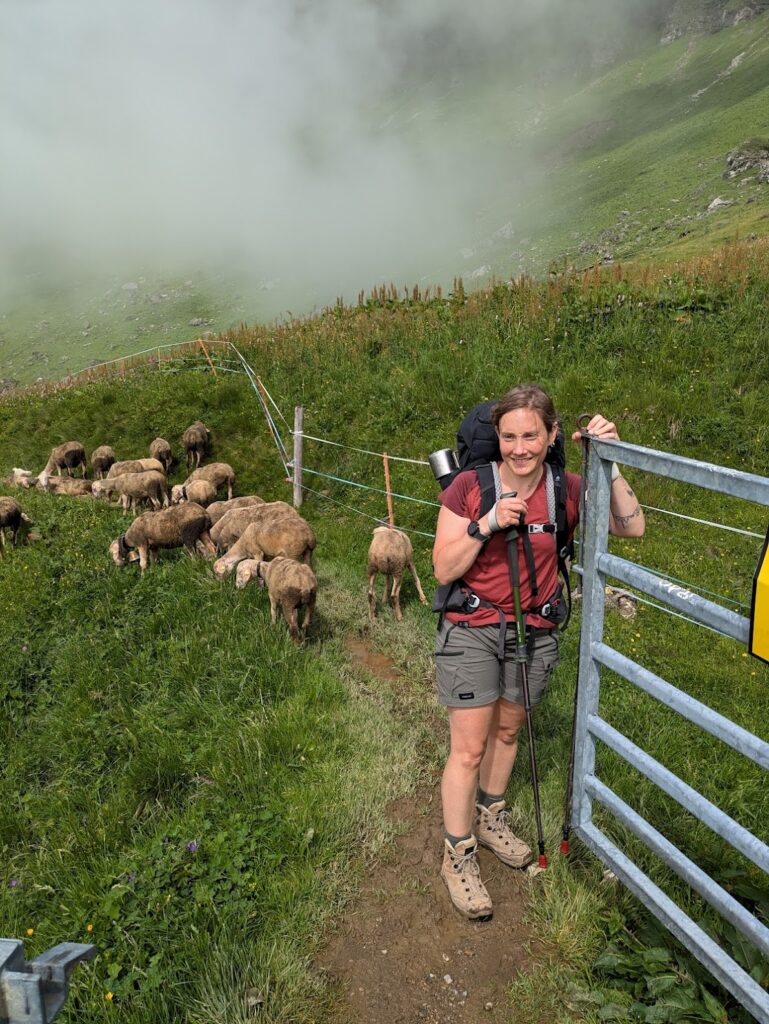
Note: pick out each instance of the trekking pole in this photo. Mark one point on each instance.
(565, 846)
(521, 659)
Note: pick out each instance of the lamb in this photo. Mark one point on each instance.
(185, 525)
(160, 449)
(232, 525)
(13, 520)
(200, 491)
(219, 508)
(102, 458)
(63, 485)
(278, 534)
(135, 466)
(217, 473)
(135, 487)
(22, 478)
(66, 456)
(196, 440)
(389, 553)
(290, 584)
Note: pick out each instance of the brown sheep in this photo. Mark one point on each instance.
(280, 534)
(63, 485)
(219, 508)
(389, 553)
(67, 456)
(135, 466)
(196, 440)
(133, 488)
(102, 458)
(290, 585)
(184, 525)
(13, 520)
(202, 492)
(231, 526)
(160, 449)
(217, 473)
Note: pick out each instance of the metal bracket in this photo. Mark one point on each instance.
(33, 992)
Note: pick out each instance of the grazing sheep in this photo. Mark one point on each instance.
(280, 534)
(200, 491)
(67, 456)
(63, 485)
(183, 525)
(220, 508)
(22, 478)
(196, 440)
(13, 520)
(389, 553)
(160, 449)
(231, 526)
(290, 585)
(217, 473)
(102, 458)
(135, 466)
(133, 488)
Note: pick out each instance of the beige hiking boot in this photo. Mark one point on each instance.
(462, 876)
(492, 826)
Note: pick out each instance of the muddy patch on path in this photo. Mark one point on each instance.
(401, 953)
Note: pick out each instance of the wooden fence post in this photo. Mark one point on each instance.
(390, 515)
(298, 449)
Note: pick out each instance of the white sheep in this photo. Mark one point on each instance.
(185, 525)
(13, 520)
(63, 485)
(389, 553)
(135, 466)
(202, 492)
(22, 478)
(217, 473)
(102, 459)
(279, 534)
(220, 508)
(231, 526)
(196, 440)
(160, 449)
(291, 585)
(133, 488)
(67, 456)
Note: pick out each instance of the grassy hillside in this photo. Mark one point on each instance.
(189, 790)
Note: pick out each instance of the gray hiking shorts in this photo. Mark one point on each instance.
(467, 667)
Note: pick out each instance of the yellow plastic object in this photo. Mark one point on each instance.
(758, 645)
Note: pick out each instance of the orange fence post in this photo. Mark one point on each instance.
(208, 357)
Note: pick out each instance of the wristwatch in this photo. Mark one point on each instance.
(474, 531)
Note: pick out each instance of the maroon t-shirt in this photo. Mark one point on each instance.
(489, 575)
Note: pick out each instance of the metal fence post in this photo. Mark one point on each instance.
(298, 450)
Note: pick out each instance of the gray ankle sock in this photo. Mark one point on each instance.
(457, 839)
(486, 799)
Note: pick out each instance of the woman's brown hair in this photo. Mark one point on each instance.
(526, 396)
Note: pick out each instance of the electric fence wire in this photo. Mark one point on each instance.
(351, 508)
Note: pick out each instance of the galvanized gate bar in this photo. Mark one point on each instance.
(734, 482)
(698, 879)
(721, 965)
(740, 838)
(698, 608)
(724, 729)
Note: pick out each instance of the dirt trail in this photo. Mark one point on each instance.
(402, 954)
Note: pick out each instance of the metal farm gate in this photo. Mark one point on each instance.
(591, 728)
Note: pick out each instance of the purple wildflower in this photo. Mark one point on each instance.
(132, 877)
(14, 883)
(193, 846)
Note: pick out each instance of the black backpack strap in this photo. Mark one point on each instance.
(487, 482)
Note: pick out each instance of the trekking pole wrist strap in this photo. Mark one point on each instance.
(615, 473)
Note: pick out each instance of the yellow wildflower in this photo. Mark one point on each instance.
(108, 996)
(30, 931)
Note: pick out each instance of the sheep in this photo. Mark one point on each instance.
(389, 553)
(217, 473)
(230, 527)
(63, 485)
(66, 456)
(102, 458)
(160, 449)
(135, 466)
(13, 520)
(219, 508)
(200, 491)
(279, 534)
(185, 525)
(290, 584)
(196, 440)
(135, 487)
(22, 478)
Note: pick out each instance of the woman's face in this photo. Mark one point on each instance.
(523, 441)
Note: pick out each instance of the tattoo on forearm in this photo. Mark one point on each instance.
(630, 492)
(624, 520)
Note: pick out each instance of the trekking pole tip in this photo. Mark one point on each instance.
(542, 862)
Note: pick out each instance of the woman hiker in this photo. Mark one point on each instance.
(485, 705)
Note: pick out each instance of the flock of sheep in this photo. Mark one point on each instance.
(264, 541)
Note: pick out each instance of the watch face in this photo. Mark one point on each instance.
(475, 531)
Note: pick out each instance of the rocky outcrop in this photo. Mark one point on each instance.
(752, 157)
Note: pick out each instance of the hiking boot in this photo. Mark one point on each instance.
(462, 876)
(492, 825)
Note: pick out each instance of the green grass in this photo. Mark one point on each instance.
(143, 715)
